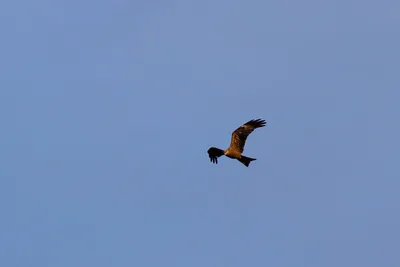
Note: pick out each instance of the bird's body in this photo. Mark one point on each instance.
(236, 148)
(232, 153)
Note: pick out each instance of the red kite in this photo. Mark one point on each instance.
(236, 148)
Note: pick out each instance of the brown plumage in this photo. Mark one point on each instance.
(238, 141)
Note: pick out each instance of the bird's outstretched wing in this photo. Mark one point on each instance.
(214, 153)
(239, 136)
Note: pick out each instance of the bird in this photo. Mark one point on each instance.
(238, 140)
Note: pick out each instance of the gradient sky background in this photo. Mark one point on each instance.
(107, 109)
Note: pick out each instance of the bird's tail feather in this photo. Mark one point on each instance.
(246, 160)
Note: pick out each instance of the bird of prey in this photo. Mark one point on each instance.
(236, 148)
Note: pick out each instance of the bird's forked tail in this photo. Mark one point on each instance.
(245, 160)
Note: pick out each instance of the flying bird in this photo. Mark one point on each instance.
(236, 148)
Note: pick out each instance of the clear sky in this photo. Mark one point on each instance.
(107, 109)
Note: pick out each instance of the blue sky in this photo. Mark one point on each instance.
(108, 108)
